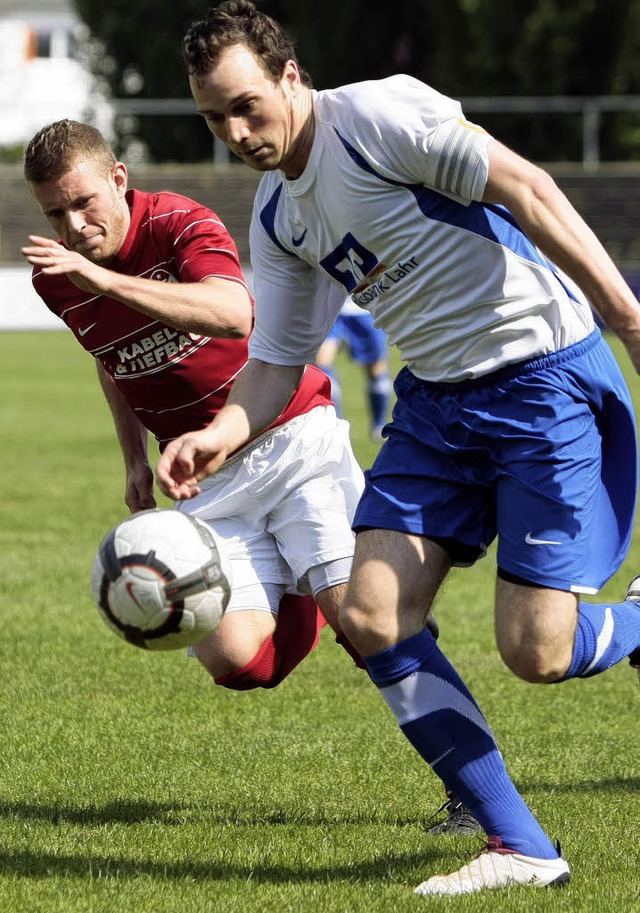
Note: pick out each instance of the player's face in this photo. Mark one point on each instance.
(87, 208)
(258, 119)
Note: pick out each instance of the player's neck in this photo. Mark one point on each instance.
(300, 150)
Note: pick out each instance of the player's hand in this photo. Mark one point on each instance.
(187, 460)
(139, 488)
(54, 259)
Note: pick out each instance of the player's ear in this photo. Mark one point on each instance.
(291, 76)
(120, 177)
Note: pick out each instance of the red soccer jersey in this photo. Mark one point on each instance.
(174, 381)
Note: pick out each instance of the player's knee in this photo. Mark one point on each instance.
(533, 662)
(367, 631)
(225, 657)
(227, 665)
(535, 628)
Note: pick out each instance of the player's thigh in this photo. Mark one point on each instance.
(394, 581)
(535, 629)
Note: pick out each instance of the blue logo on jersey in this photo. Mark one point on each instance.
(350, 262)
(361, 273)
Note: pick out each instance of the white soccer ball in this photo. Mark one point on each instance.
(161, 579)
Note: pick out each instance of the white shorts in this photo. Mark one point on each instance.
(283, 506)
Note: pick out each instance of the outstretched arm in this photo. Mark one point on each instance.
(214, 307)
(545, 214)
(257, 398)
(133, 438)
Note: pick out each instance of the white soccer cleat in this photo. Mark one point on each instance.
(633, 590)
(497, 867)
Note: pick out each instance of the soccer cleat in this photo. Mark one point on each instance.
(497, 867)
(459, 821)
(633, 595)
(633, 590)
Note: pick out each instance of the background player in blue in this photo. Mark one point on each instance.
(367, 346)
(512, 418)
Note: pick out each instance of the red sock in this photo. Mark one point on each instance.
(296, 635)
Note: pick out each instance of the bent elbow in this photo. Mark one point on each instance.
(242, 327)
(543, 186)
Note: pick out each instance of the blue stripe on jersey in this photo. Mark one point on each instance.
(268, 218)
(493, 222)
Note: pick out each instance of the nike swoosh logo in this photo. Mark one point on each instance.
(530, 540)
(604, 640)
(298, 241)
(85, 330)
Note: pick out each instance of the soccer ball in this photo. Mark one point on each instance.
(161, 579)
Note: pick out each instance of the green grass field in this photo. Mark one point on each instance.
(131, 784)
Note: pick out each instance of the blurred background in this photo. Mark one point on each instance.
(559, 82)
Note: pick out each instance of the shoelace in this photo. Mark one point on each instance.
(449, 806)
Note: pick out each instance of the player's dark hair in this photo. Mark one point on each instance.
(239, 22)
(58, 146)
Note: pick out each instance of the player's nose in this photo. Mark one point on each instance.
(75, 221)
(237, 129)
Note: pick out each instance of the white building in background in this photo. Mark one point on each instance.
(42, 78)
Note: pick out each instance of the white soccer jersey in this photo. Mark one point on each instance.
(388, 208)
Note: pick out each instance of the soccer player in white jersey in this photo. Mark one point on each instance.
(512, 418)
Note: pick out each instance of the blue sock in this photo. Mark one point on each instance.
(605, 634)
(378, 393)
(336, 387)
(439, 716)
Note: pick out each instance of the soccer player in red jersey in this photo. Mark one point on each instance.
(151, 285)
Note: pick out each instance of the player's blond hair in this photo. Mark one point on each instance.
(56, 148)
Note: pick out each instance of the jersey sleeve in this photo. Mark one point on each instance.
(411, 133)
(295, 306)
(202, 246)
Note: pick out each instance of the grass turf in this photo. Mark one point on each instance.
(130, 782)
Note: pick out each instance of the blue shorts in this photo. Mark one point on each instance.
(542, 455)
(366, 343)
